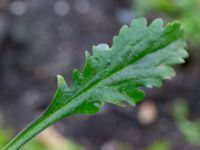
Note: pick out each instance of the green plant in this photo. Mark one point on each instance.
(186, 11)
(190, 129)
(4, 134)
(140, 56)
(160, 144)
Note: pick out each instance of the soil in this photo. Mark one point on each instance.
(42, 39)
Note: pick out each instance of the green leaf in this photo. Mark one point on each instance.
(140, 56)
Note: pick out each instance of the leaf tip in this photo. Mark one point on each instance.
(158, 23)
(60, 79)
(139, 22)
(61, 82)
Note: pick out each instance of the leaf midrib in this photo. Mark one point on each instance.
(87, 89)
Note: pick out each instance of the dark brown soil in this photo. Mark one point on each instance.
(38, 44)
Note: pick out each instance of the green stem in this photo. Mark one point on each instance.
(41, 123)
(31, 131)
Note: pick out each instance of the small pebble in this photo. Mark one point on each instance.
(147, 113)
(17, 8)
(61, 8)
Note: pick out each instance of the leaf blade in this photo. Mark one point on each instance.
(140, 56)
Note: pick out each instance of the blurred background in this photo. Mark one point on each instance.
(42, 38)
